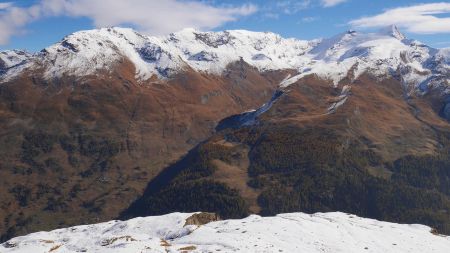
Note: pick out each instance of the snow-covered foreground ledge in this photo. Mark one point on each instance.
(293, 232)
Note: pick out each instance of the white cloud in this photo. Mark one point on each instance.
(292, 7)
(309, 19)
(331, 3)
(271, 15)
(5, 5)
(422, 18)
(148, 16)
(13, 18)
(442, 44)
(273, 9)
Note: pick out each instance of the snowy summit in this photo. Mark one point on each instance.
(292, 232)
(384, 53)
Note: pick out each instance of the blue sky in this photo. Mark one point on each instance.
(35, 24)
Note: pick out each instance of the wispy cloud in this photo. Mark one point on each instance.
(309, 19)
(148, 16)
(331, 3)
(421, 19)
(274, 9)
(293, 7)
(5, 5)
(271, 15)
(12, 19)
(442, 44)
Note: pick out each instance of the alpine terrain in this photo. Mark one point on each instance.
(186, 232)
(112, 124)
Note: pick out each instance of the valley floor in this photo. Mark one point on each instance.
(291, 232)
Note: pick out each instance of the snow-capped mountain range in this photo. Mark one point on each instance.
(352, 53)
(197, 102)
(292, 232)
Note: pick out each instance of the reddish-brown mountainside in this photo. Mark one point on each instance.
(112, 123)
(378, 154)
(80, 151)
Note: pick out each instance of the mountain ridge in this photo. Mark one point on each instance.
(288, 232)
(382, 53)
(234, 122)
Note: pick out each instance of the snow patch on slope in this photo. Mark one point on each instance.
(251, 117)
(292, 232)
(12, 58)
(13, 61)
(340, 100)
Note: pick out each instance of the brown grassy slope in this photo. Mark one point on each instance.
(376, 112)
(79, 151)
(300, 157)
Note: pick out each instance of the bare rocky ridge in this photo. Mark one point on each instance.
(201, 219)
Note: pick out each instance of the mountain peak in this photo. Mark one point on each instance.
(392, 30)
(85, 52)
